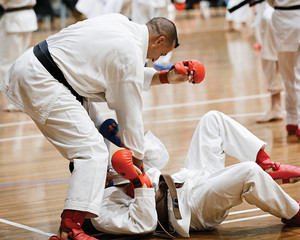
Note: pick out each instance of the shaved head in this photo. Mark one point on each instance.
(160, 26)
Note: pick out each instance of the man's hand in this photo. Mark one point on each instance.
(190, 70)
(122, 163)
(110, 130)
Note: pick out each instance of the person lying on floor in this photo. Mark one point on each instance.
(206, 189)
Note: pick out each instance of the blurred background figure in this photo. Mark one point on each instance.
(238, 17)
(269, 62)
(16, 26)
(142, 11)
(285, 20)
(94, 8)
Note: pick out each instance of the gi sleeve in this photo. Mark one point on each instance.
(148, 75)
(121, 214)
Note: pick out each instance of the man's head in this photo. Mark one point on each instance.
(162, 37)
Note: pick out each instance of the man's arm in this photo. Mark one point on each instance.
(121, 214)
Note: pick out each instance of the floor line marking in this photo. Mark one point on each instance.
(247, 218)
(26, 227)
(146, 122)
(20, 183)
(244, 211)
(167, 106)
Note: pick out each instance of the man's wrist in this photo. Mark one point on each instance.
(163, 77)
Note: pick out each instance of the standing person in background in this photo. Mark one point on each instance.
(239, 16)
(270, 66)
(286, 19)
(16, 27)
(94, 8)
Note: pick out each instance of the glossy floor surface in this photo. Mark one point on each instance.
(34, 176)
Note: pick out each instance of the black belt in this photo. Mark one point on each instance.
(18, 9)
(295, 7)
(43, 55)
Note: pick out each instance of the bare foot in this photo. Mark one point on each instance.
(270, 116)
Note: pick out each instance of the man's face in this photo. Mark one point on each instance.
(158, 48)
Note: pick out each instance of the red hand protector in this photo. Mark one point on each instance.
(193, 65)
(122, 163)
(130, 187)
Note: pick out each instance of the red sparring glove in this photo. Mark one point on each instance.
(122, 163)
(193, 65)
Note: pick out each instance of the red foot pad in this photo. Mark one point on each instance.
(294, 221)
(179, 6)
(285, 173)
(76, 234)
(193, 65)
(291, 129)
(55, 238)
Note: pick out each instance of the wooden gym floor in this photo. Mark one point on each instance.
(34, 176)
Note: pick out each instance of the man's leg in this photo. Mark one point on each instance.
(286, 62)
(71, 131)
(218, 134)
(211, 202)
(275, 86)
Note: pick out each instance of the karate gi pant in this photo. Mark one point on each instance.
(11, 47)
(210, 202)
(289, 68)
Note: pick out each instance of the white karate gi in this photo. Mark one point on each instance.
(287, 38)
(95, 8)
(269, 52)
(93, 59)
(238, 16)
(209, 191)
(15, 31)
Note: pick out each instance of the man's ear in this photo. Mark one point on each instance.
(160, 40)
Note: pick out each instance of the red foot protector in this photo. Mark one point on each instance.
(180, 6)
(294, 221)
(279, 172)
(291, 129)
(71, 222)
(76, 234)
(285, 173)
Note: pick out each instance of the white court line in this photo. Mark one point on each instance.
(207, 102)
(244, 211)
(15, 123)
(50, 234)
(168, 106)
(198, 118)
(21, 137)
(247, 218)
(149, 122)
(26, 227)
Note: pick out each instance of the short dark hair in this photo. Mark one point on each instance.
(164, 27)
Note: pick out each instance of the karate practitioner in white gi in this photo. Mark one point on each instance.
(209, 188)
(16, 27)
(240, 16)
(285, 19)
(99, 59)
(270, 66)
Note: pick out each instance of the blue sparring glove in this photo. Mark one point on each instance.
(110, 135)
